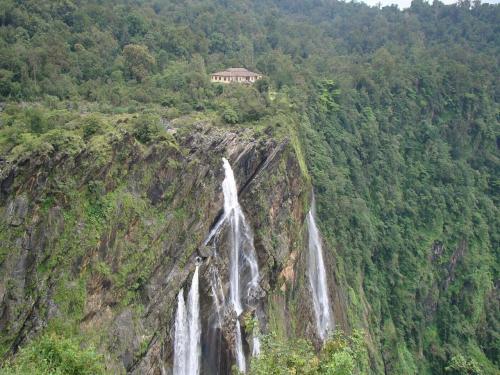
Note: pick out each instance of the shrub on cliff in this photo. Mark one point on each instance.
(230, 116)
(57, 355)
(146, 128)
(341, 355)
(459, 365)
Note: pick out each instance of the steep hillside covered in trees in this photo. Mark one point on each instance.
(110, 143)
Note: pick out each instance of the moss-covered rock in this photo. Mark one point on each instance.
(99, 241)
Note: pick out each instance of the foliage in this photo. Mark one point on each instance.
(262, 85)
(57, 355)
(138, 61)
(146, 128)
(230, 116)
(92, 125)
(395, 112)
(341, 355)
(458, 365)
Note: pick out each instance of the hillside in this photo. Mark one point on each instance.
(111, 147)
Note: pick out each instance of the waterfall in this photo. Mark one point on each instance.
(217, 293)
(243, 267)
(244, 289)
(256, 342)
(188, 331)
(181, 339)
(240, 355)
(213, 355)
(244, 271)
(194, 326)
(317, 277)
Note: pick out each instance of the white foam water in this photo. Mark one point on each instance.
(187, 338)
(243, 263)
(181, 339)
(317, 278)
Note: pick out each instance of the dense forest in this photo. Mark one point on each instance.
(394, 114)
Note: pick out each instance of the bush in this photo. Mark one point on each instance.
(54, 354)
(146, 128)
(341, 355)
(459, 365)
(283, 358)
(262, 85)
(230, 116)
(36, 121)
(91, 125)
(6, 83)
(246, 101)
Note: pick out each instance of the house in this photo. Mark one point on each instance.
(239, 75)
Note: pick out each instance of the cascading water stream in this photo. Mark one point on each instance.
(240, 355)
(214, 356)
(256, 343)
(181, 339)
(243, 267)
(217, 293)
(194, 326)
(244, 270)
(188, 331)
(317, 277)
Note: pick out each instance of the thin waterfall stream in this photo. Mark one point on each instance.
(188, 331)
(317, 277)
(181, 338)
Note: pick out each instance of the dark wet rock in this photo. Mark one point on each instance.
(7, 176)
(52, 310)
(229, 319)
(255, 294)
(17, 210)
(437, 250)
(124, 338)
(205, 251)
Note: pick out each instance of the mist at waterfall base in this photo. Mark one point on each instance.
(317, 277)
(188, 331)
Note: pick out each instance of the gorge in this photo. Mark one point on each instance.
(337, 215)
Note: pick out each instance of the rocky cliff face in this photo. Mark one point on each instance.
(101, 240)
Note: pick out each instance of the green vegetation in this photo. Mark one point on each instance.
(394, 116)
(460, 366)
(55, 355)
(341, 355)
